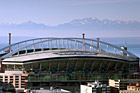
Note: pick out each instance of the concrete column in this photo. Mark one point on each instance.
(19, 81)
(14, 81)
(1, 67)
(3, 78)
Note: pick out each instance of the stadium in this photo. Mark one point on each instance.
(63, 62)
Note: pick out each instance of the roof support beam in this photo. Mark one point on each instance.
(58, 65)
(107, 48)
(108, 66)
(91, 46)
(116, 66)
(92, 65)
(49, 66)
(42, 47)
(40, 66)
(7, 68)
(100, 66)
(33, 47)
(67, 65)
(14, 67)
(26, 48)
(55, 43)
(67, 44)
(122, 66)
(75, 44)
(70, 45)
(129, 66)
(22, 68)
(75, 65)
(84, 65)
(62, 43)
(59, 44)
(18, 49)
(32, 67)
(48, 45)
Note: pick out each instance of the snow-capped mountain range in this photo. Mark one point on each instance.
(81, 24)
(86, 25)
(105, 24)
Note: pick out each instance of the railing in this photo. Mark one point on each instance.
(43, 44)
(76, 77)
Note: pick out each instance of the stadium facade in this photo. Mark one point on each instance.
(43, 62)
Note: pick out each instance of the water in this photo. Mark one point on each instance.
(132, 43)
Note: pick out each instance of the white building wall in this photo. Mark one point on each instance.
(85, 89)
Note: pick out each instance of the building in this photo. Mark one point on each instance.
(97, 87)
(122, 84)
(114, 83)
(17, 78)
(63, 63)
(132, 88)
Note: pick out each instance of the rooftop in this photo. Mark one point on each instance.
(135, 84)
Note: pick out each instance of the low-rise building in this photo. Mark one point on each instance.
(96, 87)
(132, 88)
(122, 84)
(14, 79)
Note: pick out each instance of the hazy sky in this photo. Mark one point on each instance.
(53, 12)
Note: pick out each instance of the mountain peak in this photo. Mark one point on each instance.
(29, 22)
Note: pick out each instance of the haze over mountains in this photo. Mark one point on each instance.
(93, 27)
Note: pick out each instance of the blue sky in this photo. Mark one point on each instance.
(54, 12)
